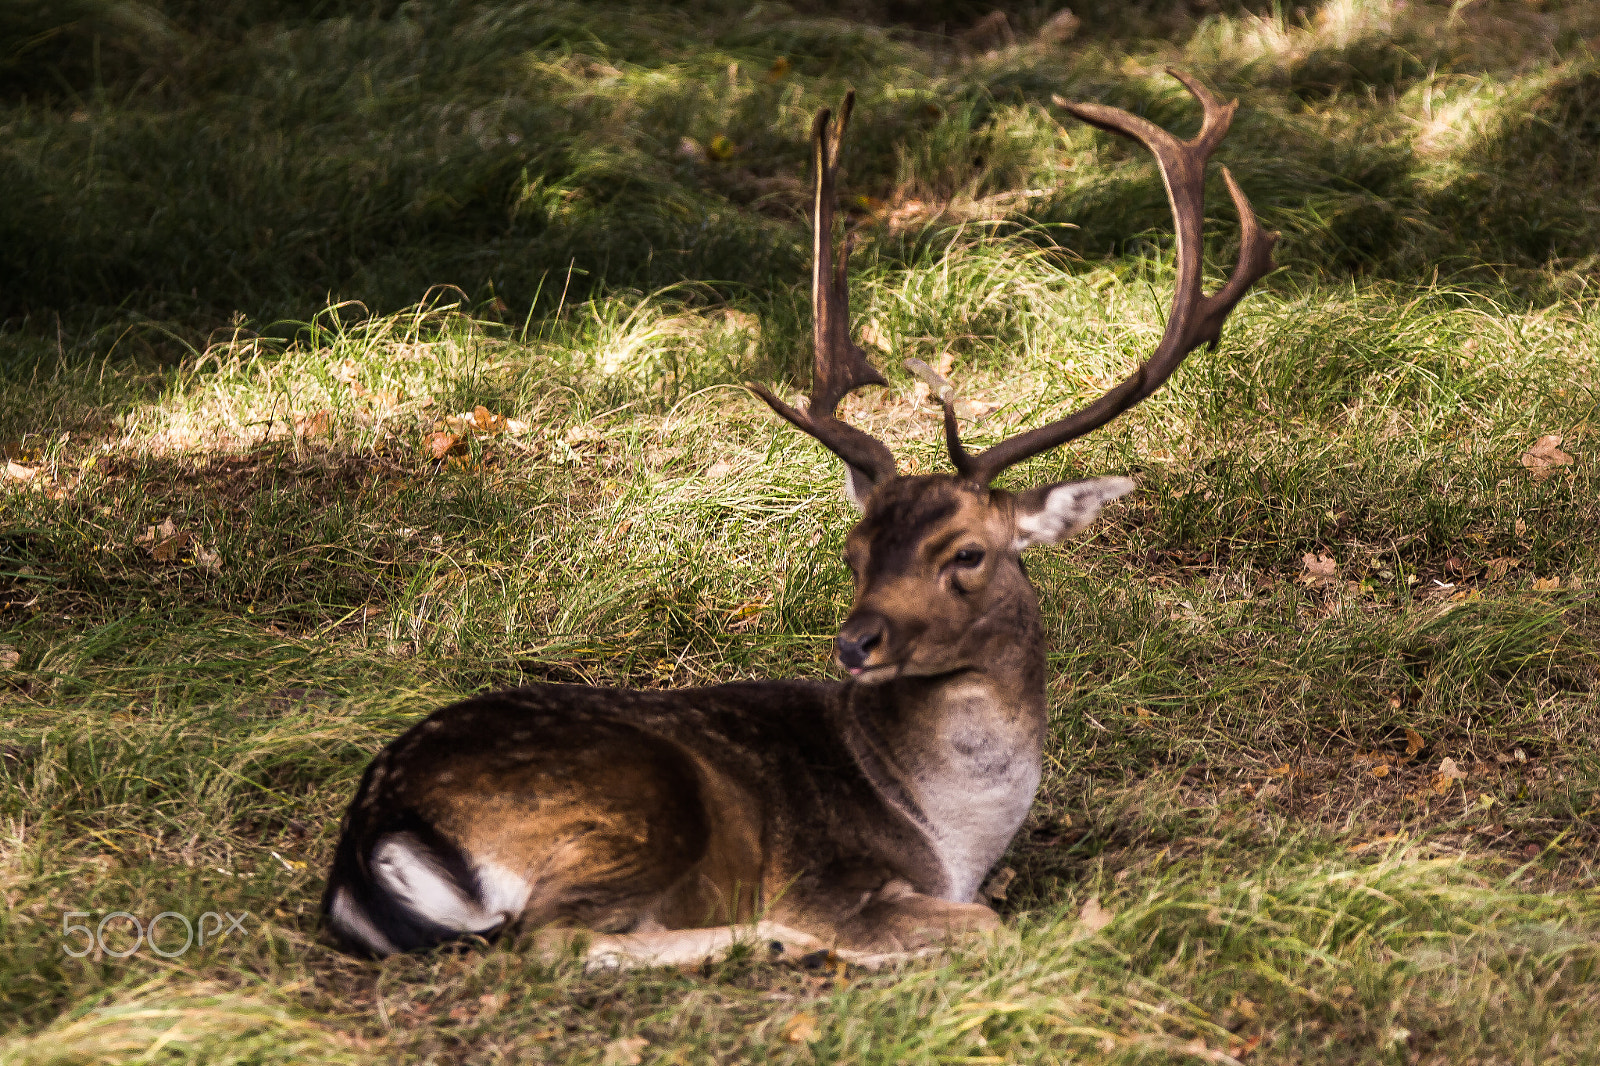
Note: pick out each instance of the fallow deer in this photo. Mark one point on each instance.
(860, 814)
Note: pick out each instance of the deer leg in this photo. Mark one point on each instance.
(656, 946)
(897, 922)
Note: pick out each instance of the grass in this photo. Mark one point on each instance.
(1320, 785)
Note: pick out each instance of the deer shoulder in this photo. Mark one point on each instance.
(861, 814)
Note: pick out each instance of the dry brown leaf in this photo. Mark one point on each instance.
(801, 1029)
(516, 427)
(17, 472)
(1546, 584)
(998, 884)
(1545, 455)
(1378, 842)
(628, 1051)
(1279, 771)
(1094, 917)
(1381, 770)
(1414, 742)
(168, 550)
(206, 558)
(9, 657)
(1319, 569)
(1447, 775)
(1496, 568)
(873, 335)
(316, 424)
(346, 371)
(441, 444)
(1239, 1051)
(486, 421)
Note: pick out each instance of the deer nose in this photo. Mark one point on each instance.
(857, 639)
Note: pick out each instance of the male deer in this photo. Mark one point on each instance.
(860, 814)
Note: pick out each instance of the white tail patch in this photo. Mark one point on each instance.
(353, 922)
(405, 869)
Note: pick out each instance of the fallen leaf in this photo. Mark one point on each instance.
(166, 541)
(801, 1029)
(719, 469)
(441, 444)
(1485, 801)
(9, 657)
(486, 421)
(346, 371)
(1447, 774)
(1381, 770)
(1546, 584)
(516, 427)
(1545, 455)
(998, 884)
(779, 70)
(17, 472)
(1094, 917)
(1378, 842)
(1319, 570)
(628, 1051)
(206, 559)
(872, 334)
(317, 424)
(721, 148)
(1414, 742)
(1496, 568)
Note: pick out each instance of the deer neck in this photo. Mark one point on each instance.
(959, 755)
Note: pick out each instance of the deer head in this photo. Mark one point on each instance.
(936, 562)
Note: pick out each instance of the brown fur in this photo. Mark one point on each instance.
(792, 800)
(861, 814)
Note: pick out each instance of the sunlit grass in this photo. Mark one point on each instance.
(1322, 689)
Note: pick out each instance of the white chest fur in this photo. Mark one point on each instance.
(975, 785)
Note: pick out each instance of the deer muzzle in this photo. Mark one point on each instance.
(862, 641)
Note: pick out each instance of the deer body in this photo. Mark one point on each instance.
(861, 815)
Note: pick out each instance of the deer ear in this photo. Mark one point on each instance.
(1050, 514)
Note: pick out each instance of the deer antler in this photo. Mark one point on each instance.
(840, 365)
(1196, 319)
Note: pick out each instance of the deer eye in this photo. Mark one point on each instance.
(968, 557)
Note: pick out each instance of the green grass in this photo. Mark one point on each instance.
(421, 210)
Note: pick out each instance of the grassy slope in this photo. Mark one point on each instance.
(1234, 773)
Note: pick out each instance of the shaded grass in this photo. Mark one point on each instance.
(172, 161)
(1246, 766)
(1231, 772)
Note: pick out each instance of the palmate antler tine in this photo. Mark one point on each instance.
(839, 365)
(1195, 318)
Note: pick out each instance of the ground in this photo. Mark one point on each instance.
(1320, 783)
